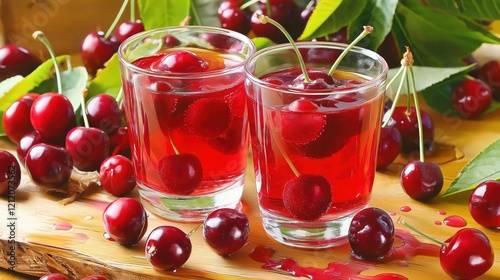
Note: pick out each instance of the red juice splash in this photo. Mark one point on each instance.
(405, 209)
(455, 221)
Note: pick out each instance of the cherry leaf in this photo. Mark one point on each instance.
(477, 9)
(107, 79)
(9, 83)
(156, 14)
(484, 166)
(262, 42)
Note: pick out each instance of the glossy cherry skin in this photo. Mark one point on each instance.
(232, 18)
(490, 74)
(180, 173)
(284, 12)
(49, 165)
(10, 173)
(16, 119)
(208, 118)
(25, 144)
(117, 175)
(96, 50)
(422, 181)
(119, 143)
(103, 112)
(389, 146)
(16, 60)
(467, 255)
(371, 233)
(54, 276)
(180, 62)
(484, 204)
(226, 230)
(168, 248)
(125, 220)
(53, 117)
(471, 98)
(128, 28)
(307, 197)
(88, 147)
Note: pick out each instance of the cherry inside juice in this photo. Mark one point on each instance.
(203, 117)
(337, 140)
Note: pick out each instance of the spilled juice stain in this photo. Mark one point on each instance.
(438, 223)
(441, 212)
(455, 221)
(351, 269)
(62, 225)
(405, 209)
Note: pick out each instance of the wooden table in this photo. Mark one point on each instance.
(82, 250)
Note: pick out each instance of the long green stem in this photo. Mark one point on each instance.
(366, 30)
(132, 10)
(419, 117)
(38, 35)
(84, 115)
(394, 78)
(396, 98)
(402, 221)
(283, 152)
(117, 18)
(194, 230)
(248, 4)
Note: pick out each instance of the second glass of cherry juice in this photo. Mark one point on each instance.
(186, 110)
(314, 143)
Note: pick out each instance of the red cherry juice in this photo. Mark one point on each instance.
(204, 117)
(342, 145)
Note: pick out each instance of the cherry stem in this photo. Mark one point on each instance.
(194, 230)
(402, 221)
(117, 18)
(172, 141)
(84, 115)
(119, 97)
(248, 4)
(38, 35)
(284, 154)
(402, 71)
(419, 116)
(132, 10)
(366, 30)
(265, 19)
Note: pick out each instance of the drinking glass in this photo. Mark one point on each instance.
(314, 144)
(185, 106)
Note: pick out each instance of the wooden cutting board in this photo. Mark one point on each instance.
(51, 237)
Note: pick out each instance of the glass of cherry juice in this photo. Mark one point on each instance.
(314, 142)
(185, 105)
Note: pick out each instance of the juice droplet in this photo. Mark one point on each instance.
(455, 221)
(62, 226)
(107, 237)
(392, 213)
(438, 223)
(441, 212)
(403, 263)
(82, 237)
(405, 209)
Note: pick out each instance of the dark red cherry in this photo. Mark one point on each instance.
(181, 174)
(52, 116)
(232, 17)
(54, 276)
(301, 123)
(49, 165)
(168, 248)
(389, 146)
(16, 60)
(226, 230)
(338, 37)
(319, 80)
(471, 98)
(125, 220)
(128, 28)
(96, 50)
(490, 74)
(103, 112)
(467, 254)
(284, 12)
(484, 204)
(10, 173)
(16, 119)
(25, 144)
(117, 175)
(88, 147)
(119, 143)
(307, 197)
(421, 180)
(371, 233)
(180, 62)
(208, 118)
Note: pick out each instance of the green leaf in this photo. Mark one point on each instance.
(156, 14)
(107, 79)
(476, 9)
(262, 42)
(379, 14)
(40, 74)
(329, 16)
(438, 97)
(204, 12)
(7, 84)
(482, 167)
(146, 49)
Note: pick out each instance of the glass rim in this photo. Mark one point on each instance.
(331, 45)
(190, 75)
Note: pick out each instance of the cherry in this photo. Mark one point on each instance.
(103, 112)
(180, 62)
(284, 12)
(407, 125)
(16, 60)
(307, 197)
(490, 74)
(301, 122)
(54, 276)
(371, 233)
(467, 255)
(49, 165)
(339, 37)
(88, 147)
(10, 173)
(16, 119)
(471, 98)
(226, 230)
(128, 28)
(389, 146)
(117, 175)
(52, 116)
(167, 248)
(25, 144)
(421, 180)
(484, 204)
(181, 173)
(319, 80)
(125, 220)
(208, 118)
(96, 50)
(232, 17)
(119, 143)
